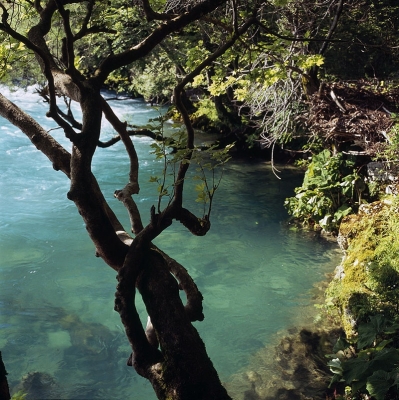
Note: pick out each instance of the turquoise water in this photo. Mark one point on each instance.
(56, 298)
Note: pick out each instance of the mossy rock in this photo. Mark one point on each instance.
(368, 216)
(348, 225)
(38, 385)
(369, 274)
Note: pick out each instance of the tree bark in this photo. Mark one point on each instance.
(181, 370)
(4, 389)
(187, 373)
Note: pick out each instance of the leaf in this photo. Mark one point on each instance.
(342, 211)
(207, 166)
(386, 359)
(355, 369)
(324, 222)
(198, 80)
(341, 344)
(369, 331)
(382, 344)
(335, 366)
(200, 187)
(379, 383)
(310, 61)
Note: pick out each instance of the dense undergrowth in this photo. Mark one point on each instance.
(331, 189)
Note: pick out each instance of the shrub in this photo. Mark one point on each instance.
(368, 364)
(331, 190)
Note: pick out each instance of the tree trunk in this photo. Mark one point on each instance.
(229, 118)
(186, 372)
(310, 82)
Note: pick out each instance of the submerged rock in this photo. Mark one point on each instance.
(38, 385)
(294, 365)
(295, 369)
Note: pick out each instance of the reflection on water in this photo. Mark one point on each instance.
(56, 298)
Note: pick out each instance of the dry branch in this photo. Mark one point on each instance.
(348, 113)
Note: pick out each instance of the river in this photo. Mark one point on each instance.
(56, 298)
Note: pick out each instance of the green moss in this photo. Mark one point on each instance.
(19, 396)
(370, 280)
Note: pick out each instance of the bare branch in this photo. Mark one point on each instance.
(296, 39)
(334, 24)
(134, 215)
(85, 30)
(235, 16)
(44, 142)
(132, 187)
(86, 20)
(181, 108)
(68, 42)
(194, 297)
(38, 6)
(120, 127)
(152, 15)
(136, 132)
(67, 116)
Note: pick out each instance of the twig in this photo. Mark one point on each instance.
(336, 101)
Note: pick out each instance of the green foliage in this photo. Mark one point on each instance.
(195, 53)
(172, 151)
(331, 190)
(374, 23)
(371, 368)
(7, 56)
(160, 149)
(221, 83)
(208, 162)
(16, 64)
(155, 81)
(307, 62)
(206, 107)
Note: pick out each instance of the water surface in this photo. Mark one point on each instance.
(56, 298)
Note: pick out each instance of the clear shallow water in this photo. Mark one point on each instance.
(56, 298)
